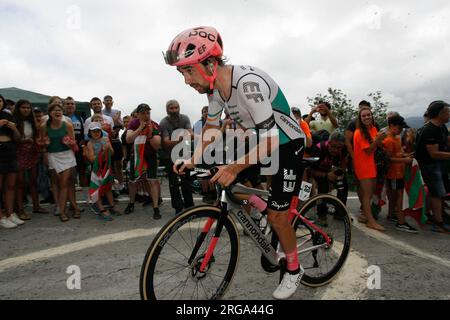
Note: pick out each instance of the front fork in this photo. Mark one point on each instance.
(214, 240)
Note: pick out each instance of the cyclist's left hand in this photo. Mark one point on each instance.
(225, 176)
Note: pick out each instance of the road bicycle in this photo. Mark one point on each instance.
(195, 255)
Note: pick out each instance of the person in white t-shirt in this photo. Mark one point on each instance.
(117, 157)
(96, 106)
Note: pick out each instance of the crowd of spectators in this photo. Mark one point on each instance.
(55, 154)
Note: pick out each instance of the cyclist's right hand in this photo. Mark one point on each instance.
(181, 165)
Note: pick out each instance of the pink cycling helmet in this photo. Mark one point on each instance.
(193, 46)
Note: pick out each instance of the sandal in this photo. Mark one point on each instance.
(63, 218)
(40, 210)
(24, 216)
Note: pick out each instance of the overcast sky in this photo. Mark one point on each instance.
(93, 48)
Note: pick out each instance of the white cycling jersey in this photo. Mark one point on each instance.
(256, 102)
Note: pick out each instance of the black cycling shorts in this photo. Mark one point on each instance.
(287, 181)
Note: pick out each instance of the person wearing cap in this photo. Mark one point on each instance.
(99, 152)
(169, 124)
(432, 143)
(395, 176)
(149, 133)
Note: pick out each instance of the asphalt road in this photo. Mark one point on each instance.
(38, 259)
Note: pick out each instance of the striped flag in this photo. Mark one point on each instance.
(414, 194)
(101, 178)
(140, 165)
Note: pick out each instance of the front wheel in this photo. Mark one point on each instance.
(171, 267)
(323, 264)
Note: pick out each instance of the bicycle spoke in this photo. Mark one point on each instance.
(178, 251)
(181, 236)
(180, 264)
(204, 290)
(170, 277)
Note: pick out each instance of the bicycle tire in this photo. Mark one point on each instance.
(182, 228)
(340, 248)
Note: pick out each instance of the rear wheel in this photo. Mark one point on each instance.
(167, 272)
(323, 264)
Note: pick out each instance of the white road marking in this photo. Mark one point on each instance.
(77, 246)
(351, 282)
(125, 199)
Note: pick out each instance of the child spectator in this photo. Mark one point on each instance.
(395, 175)
(99, 151)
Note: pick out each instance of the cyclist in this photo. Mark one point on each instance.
(254, 101)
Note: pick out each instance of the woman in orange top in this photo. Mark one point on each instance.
(365, 140)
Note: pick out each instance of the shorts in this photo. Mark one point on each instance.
(152, 167)
(432, 175)
(8, 158)
(287, 181)
(395, 184)
(61, 161)
(27, 155)
(118, 152)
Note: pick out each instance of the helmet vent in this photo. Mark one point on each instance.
(189, 50)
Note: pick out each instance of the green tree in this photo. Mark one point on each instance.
(379, 108)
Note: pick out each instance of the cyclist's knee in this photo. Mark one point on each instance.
(277, 219)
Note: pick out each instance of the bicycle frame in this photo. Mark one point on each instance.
(247, 223)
